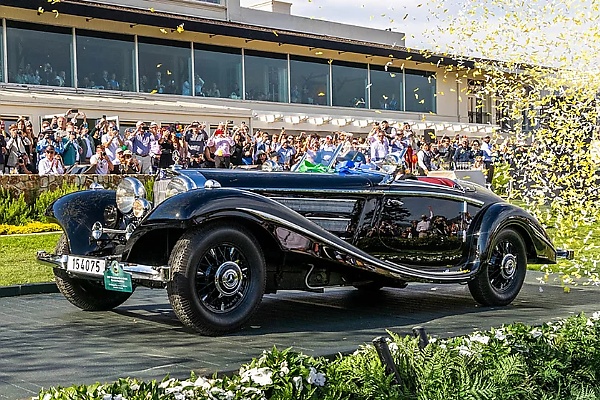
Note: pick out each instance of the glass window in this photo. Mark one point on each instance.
(39, 54)
(420, 91)
(165, 66)
(386, 88)
(1, 55)
(309, 79)
(349, 85)
(218, 71)
(266, 76)
(105, 61)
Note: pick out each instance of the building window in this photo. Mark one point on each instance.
(266, 76)
(349, 85)
(309, 79)
(1, 54)
(105, 61)
(218, 71)
(165, 66)
(478, 102)
(39, 54)
(420, 91)
(386, 88)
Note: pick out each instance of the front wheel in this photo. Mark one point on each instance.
(219, 278)
(85, 294)
(503, 274)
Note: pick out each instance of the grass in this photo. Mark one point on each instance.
(18, 263)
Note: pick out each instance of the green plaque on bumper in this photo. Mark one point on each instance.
(116, 279)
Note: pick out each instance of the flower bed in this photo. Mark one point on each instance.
(558, 360)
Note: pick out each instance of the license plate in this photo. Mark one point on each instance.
(84, 265)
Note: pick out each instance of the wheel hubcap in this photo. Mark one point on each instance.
(228, 278)
(509, 266)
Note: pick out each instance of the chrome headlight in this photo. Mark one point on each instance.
(179, 184)
(128, 191)
(141, 207)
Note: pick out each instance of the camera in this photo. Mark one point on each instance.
(75, 111)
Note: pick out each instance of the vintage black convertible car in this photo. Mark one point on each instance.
(217, 240)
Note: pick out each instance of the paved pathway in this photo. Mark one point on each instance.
(44, 341)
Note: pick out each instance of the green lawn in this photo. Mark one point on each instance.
(18, 262)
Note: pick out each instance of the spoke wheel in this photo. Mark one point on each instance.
(219, 278)
(222, 278)
(86, 294)
(502, 275)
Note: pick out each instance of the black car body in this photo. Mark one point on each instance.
(219, 239)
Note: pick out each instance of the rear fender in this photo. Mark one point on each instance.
(500, 216)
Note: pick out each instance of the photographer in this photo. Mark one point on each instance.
(52, 163)
(101, 162)
(16, 147)
(129, 165)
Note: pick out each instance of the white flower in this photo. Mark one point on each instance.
(185, 384)
(297, 380)
(179, 396)
(260, 376)
(316, 378)
(47, 396)
(433, 340)
(589, 323)
(284, 369)
(536, 333)
(464, 351)
(443, 346)
(229, 395)
(596, 316)
(166, 383)
(176, 389)
(499, 334)
(135, 386)
(202, 383)
(393, 346)
(105, 397)
(480, 338)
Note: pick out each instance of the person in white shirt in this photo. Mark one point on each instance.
(101, 161)
(51, 164)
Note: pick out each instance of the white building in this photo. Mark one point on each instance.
(213, 60)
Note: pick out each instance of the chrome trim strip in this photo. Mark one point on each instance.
(401, 271)
(317, 205)
(458, 197)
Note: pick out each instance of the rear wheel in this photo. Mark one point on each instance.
(503, 274)
(219, 278)
(85, 294)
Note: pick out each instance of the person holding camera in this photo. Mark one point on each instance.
(222, 142)
(16, 147)
(101, 162)
(52, 163)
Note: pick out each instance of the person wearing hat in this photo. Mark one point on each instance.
(488, 159)
(51, 164)
(424, 223)
(141, 144)
(129, 165)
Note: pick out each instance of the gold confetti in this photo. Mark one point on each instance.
(275, 32)
(163, 30)
(180, 28)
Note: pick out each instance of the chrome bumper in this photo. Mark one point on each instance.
(138, 272)
(567, 254)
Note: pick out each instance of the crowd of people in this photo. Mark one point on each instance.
(67, 140)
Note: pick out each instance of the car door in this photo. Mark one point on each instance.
(422, 230)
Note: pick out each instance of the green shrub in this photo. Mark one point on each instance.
(149, 186)
(13, 211)
(43, 201)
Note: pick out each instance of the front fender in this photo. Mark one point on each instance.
(500, 216)
(76, 213)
